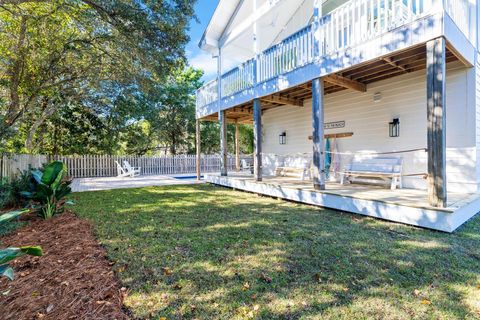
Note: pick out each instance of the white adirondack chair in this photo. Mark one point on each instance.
(245, 165)
(133, 170)
(121, 172)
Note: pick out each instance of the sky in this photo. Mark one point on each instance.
(197, 58)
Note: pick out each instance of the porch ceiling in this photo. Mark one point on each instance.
(354, 78)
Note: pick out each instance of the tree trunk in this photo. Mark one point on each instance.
(47, 112)
(15, 73)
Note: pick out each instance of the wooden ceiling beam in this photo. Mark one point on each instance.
(394, 64)
(458, 55)
(283, 100)
(241, 110)
(380, 65)
(345, 82)
(245, 119)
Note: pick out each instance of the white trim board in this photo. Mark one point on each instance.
(441, 220)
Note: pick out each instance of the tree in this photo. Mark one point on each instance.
(57, 52)
(173, 110)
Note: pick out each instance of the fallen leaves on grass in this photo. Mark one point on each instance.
(167, 271)
(177, 286)
(265, 278)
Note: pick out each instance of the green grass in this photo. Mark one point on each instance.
(234, 255)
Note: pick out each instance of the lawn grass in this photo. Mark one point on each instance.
(204, 252)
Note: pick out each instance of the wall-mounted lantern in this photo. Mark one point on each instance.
(282, 138)
(394, 128)
(377, 97)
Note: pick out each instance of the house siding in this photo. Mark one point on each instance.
(477, 104)
(299, 20)
(403, 97)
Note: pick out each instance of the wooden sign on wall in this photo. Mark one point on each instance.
(335, 125)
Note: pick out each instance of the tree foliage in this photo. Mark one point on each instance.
(99, 77)
(76, 53)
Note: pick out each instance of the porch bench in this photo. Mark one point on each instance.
(380, 168)
(296, 172)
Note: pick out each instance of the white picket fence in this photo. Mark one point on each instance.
(88, 166)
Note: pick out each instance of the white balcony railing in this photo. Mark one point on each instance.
(463, 13)
(238, 79)
(358, 21)
(207, 94)
(294, 52)
(351, 24)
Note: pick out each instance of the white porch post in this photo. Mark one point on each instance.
(237, 146)
(199, 154)
(257, 131)
(222, 119)
(223, 142)
(436, 122)
(318, 134)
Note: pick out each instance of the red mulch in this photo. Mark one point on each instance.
(73, 280)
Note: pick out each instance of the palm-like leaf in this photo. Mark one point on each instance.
(52, 173)
(50, 188)
(6, 271)
(9, 254)
(37, 175)
(62, 192)
(11, 215)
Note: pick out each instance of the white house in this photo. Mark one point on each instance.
(392, 85)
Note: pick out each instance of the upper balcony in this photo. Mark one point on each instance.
(357, 32)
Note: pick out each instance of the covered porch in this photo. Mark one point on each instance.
(411, 85)
(409, 206)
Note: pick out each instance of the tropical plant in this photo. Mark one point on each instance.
(51, 188)
(8, 254)
(11, 190)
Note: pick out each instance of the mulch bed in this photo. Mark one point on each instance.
(73, 280)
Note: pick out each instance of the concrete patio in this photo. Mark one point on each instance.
(110, 183)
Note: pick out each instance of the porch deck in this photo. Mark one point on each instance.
(409, 206)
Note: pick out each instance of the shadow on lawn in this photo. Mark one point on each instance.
(229, 252)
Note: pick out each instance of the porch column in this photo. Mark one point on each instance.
(318, 135)
(199, 155)
(237, 146)
(223, 143)
(436, 126)
(257, 132)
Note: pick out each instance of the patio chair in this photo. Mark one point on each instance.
(134, 170)
(246, 165)
(122, 172)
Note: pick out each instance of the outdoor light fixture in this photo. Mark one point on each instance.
(282, 137)
(394, 128)
(377, 97)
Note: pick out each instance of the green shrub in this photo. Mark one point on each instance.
(8, 254)
(11, 191)
(51, 186)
